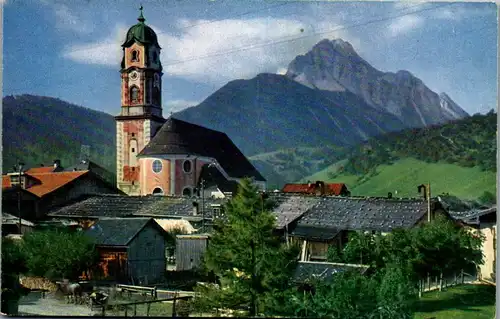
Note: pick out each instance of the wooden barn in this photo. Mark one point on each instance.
(189, 250)
(132, 250)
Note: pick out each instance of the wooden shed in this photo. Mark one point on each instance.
(189, 251)
(130, 249)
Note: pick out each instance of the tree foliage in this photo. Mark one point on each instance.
(440, 246)
(246, 231)
(468, 142)
(13, 264)
(56, 254)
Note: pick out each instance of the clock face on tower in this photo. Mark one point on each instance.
(134, 75)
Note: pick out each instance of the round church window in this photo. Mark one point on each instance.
(157, 166)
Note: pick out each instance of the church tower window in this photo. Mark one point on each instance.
(135, 56)
(134, 94)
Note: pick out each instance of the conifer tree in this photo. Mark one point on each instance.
(249, 260)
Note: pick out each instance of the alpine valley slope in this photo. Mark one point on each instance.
(458, 158)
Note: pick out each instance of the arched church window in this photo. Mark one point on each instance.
(187, 166)
(186, 192)
(157, 191)
(135, 56)
(134, 94)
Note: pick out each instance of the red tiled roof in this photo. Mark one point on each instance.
(335, 189)
(6, 182)
(331, 189)
(298, 188)
(37, 170)
(52, 181)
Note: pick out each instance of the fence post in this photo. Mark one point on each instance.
(103, 311)
(147, 310)
(126, 310)
(441, 281)
(135, 310)
(428, 281)
(173, 306)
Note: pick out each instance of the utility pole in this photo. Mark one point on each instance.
(19, 169)
(203, 204)
(429, 202)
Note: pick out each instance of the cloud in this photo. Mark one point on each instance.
(458, 13)
(405, 24)
(66, 19)
(217, 52)
(107, 52)
(179, 105)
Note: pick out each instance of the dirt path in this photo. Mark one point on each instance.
(34, 304)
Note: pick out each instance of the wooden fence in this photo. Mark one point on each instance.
(113, 308)
(440, 282)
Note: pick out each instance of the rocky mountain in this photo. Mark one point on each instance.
(272, 112)
(335, 66)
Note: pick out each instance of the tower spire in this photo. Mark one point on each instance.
(141, 17)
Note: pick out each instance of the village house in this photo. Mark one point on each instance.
(317, 188)
(484, 222)
(130, 250)
(37, 190)
(11, 225)
(319, 222)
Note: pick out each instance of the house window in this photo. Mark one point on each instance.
(155, 57)
(133, 150)
(157, 191)
(135, 56)
(133, 134)
(187, 166)
(186, 192)
(134, 94)
(157, 166)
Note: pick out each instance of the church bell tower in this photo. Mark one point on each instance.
(141, 111)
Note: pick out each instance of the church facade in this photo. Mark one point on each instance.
(165, 156)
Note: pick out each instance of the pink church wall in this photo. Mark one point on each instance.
(151, 180)
(183, 179)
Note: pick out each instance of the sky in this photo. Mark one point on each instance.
(71, 49)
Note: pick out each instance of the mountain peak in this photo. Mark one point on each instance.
(334, 65)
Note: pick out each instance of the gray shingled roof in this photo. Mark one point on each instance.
(116, 232)
(378, 214)
(308, 271)
(179, 137)
(290, 208)
(98, 206)
(472, 216)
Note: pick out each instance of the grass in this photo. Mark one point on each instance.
(459, 302)
(405, 175)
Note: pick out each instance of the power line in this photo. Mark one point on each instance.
(303, 37)
(191, 26)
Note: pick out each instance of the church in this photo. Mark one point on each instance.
(166, 156)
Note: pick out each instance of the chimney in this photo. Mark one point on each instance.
(57, 163)
(389, 195)
(41, 165)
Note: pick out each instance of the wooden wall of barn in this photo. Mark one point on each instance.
(146, 257)
(189, 251)
(86, 185)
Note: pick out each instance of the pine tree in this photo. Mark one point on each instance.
(249, 260)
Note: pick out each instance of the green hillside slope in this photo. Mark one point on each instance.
(404, 175)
